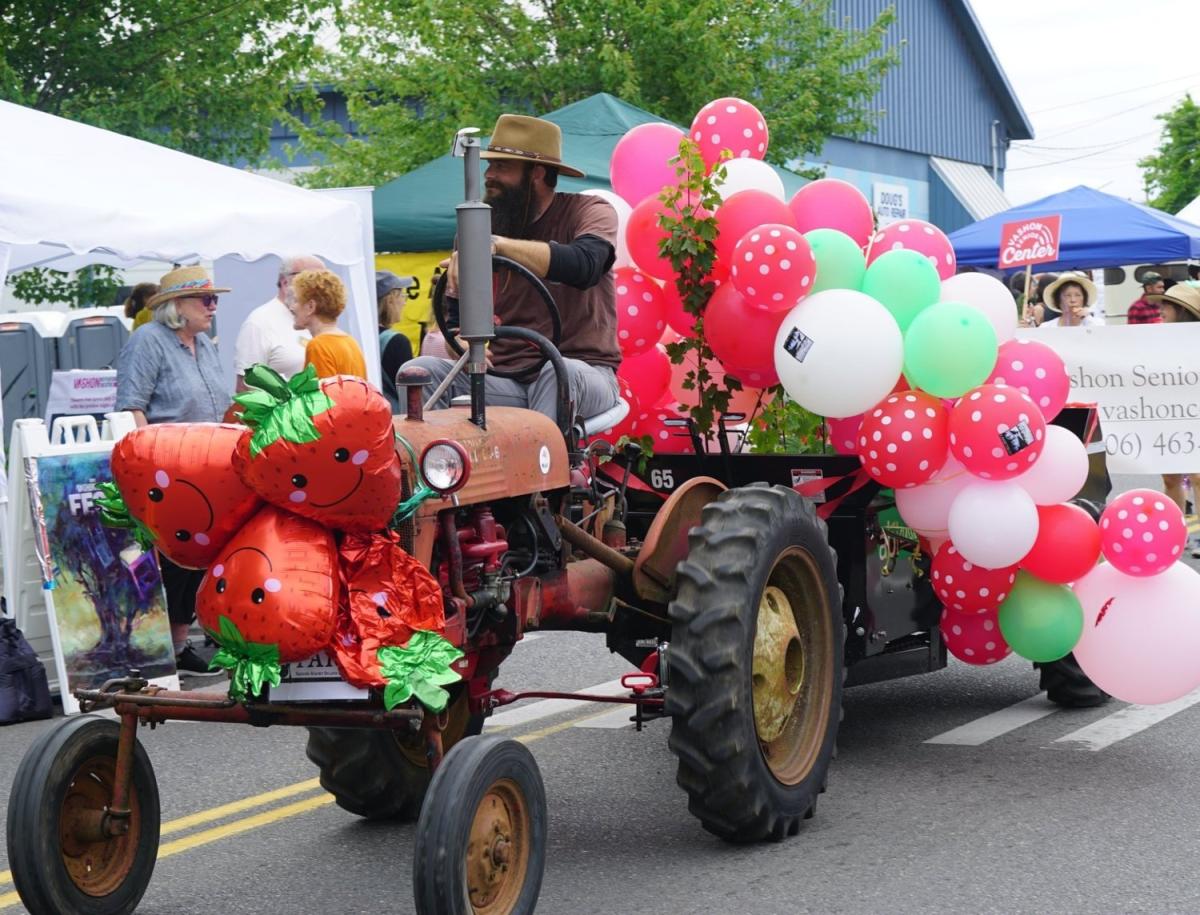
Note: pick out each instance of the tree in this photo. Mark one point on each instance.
(415, 70)
(1172, 174)
(204, 76)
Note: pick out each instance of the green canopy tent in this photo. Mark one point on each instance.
(415, 212)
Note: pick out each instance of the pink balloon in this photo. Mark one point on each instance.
(830, 203)
(643, 235)
(1060, 472)
(1036, 370)
(974, 638)
(641, 311)
(843, 433)
(773, 267)
(963, 586)
(997, 432)
(1142, 532)
(754, 378)
(739, 334)
(667, 439)
(640, 166)
(742, 212)
(1141, 635)
(916, 235)
(648, 374)
(733, 124)
(904, 440)
(926, 508)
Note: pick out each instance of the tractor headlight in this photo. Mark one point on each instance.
(445, 466)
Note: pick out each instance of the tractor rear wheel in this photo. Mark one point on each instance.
(755, 664)
(383, 775)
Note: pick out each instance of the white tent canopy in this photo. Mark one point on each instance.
(1191, 212)
(74, 195)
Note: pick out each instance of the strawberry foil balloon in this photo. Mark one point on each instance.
(324, 449)
(271, 597)
(177, 483)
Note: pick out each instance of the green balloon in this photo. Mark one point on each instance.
(1039, 620)
(948, 349)
(840, 261)
(904, 281)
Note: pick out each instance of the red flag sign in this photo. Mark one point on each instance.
(1030, 241)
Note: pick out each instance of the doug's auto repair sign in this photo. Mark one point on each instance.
(1029, 241)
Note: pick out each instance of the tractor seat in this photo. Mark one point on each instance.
(585, 427)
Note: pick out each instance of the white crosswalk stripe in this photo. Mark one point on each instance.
(989, 727)
(1125, 723)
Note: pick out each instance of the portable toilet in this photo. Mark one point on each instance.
(28, 355)
(92, 338)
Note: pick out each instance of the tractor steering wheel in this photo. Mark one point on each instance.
(451, 334)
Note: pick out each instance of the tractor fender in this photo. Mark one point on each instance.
(666, 543)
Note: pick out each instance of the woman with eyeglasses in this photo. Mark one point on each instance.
(168, 372)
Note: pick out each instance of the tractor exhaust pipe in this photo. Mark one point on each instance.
(476, 307)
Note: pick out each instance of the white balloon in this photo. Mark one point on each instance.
(838, 352)
(623, 210)
(750, 174)
(993, 524)
(1060, 470)
(926, 508)
(985, 294)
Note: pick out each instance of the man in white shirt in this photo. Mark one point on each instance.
(268, 335)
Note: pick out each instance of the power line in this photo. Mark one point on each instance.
(1029, 145)
(1106, 117)
(1099, 98)
(1098, 152)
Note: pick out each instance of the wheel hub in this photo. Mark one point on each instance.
(498, 849)
(778, 669)
(96, 860)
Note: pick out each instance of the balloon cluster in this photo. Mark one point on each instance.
(919, 374)
(288, 513)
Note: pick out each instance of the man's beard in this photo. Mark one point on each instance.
(510, 207)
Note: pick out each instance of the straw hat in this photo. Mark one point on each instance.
(529, 139)
(1089, 289)
(1182, 295)
(184, 281)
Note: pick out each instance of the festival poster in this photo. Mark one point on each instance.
(105, 598)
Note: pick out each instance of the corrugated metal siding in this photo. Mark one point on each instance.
(972, 185)
(938, 101)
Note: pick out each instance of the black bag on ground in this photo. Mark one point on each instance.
(24, 690)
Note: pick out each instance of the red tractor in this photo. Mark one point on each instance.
(740, 608)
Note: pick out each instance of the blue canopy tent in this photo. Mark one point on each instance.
(1098, 230)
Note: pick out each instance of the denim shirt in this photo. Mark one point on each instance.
(157, 374)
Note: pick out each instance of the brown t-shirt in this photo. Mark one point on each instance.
(589, 316)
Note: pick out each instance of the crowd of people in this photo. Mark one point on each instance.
(1069, 299)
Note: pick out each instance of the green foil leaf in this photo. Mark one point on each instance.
(278, 409)
(251, 665)
(421, 668)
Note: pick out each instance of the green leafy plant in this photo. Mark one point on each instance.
(785, 427)
(90, 286)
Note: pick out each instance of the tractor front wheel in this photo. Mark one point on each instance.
(67, 850)
(755, 664)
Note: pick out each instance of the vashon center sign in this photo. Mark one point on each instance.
(1030, 241)
(1145, 382)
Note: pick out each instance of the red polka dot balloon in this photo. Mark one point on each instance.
(742, 212)
(903, 440)
(1034, 369)
(733, 124)
(974, 638)
(996, 432)
(668, 439)
(1142, 532)
(963, 586)
(627, 426)
(648, 374)
(773, 267)
(641, 310)
(916, 235)
(843, 433)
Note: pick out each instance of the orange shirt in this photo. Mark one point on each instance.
(335, 354)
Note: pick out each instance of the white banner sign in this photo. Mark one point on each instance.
(1145, 381)
(81, 391)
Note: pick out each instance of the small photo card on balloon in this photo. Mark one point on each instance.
(797, 344)
(1017, 438)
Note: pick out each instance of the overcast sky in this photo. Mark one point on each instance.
(1091, 75)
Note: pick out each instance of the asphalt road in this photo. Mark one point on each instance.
(933, 806)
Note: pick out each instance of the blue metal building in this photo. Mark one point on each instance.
(949, 114)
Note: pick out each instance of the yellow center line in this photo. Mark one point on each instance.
(247, 803)
(238, 826)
